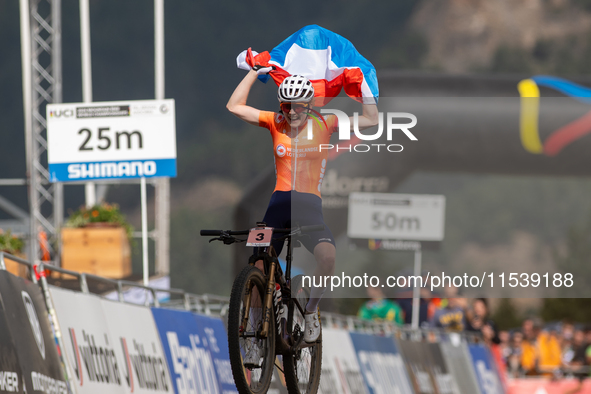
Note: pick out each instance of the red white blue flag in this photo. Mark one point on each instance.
(327, 59)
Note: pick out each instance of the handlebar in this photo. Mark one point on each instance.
(214, 233)
(303, 229)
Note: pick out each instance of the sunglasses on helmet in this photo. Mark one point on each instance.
(298, 108)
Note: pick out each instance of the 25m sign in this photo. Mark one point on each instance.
(111, 140)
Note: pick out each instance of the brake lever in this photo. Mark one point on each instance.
(227, 239)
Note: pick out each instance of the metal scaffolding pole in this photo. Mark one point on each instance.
(42, 84)
(162, 223)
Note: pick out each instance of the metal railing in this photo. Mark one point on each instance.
(208, 304)
(215, 305)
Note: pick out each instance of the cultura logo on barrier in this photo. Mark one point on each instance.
(150, 370)
(34, 320)
(100, 362)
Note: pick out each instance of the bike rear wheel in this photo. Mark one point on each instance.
(302, 367)
(248, 289)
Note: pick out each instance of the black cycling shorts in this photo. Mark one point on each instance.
(287, 209)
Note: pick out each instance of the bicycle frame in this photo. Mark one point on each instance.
(270, 263)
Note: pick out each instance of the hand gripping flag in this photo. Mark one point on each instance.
(328, 60)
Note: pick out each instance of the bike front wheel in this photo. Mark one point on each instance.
(303, 364)
(251, 356)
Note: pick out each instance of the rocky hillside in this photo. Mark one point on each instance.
(469, 35)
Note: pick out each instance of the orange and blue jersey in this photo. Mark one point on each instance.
(300, 165)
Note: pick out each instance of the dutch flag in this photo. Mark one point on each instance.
(327, 59)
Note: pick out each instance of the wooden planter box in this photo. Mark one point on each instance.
(15, 268)
(100, 251)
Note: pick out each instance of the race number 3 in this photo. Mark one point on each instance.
(260, 236)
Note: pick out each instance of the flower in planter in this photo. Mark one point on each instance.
(10, 243)
(100, 213)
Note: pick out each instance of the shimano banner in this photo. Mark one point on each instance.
(28, 324)
(197, 352)
(381, 364)
(487, 375)
(340, 369)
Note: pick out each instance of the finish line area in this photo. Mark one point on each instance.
(67, 340)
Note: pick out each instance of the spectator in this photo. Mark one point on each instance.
(576, 360)
(405, 300)
(478, 320)
(379, 308)
(550, 354)
(505, 344)
(452, 316)
(515, 355)
(529, 347)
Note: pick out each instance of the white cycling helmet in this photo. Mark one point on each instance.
(295, 88)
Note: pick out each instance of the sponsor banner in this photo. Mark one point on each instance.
(10, 371)
(459, 364)
(419, 365)
(486, 373)
(381, 364)
(137, 347)
(444, 380)
(111, 140)
(28, 323)
(69, 172)
(196, 349)
(340, 369)
(89, 347)
(545, 386)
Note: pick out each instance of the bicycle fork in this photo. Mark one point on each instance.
(267, 302)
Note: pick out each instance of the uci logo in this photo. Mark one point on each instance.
(281, 150)
(66, 113)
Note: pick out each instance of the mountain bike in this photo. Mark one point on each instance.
(266, 315)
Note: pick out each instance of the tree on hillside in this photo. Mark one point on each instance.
(577, 262)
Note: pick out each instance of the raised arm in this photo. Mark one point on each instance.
(369, 117)
(237, 103)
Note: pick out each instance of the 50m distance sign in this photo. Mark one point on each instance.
(111, 140)
(413, 217)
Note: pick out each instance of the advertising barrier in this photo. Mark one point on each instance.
(89, 346)
(117, 347)
(459, 364)
(486, 373)
(444, 380)
(137, 348)
(546, 386)
(340, 369)
(10, 371)
(23, 306)
(112, 347)
(381, 364)
(196, 349)
(419, 366)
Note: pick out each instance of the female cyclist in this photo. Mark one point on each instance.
(299, 168)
